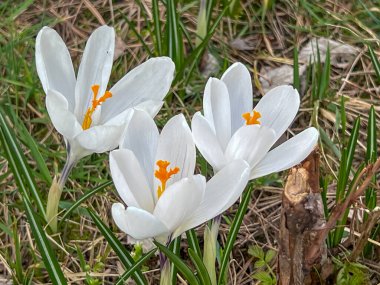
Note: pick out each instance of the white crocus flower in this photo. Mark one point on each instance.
(90, 118)
(231, 129)
(154, 175)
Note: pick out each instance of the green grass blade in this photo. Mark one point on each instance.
(175, 247)
(200, 267)
(18, 163)
(87, 195)
(157, 27)
(233, 233)
(194, 57)
(181, 266)
(50, 260)
(351, 148)
(371, 156)
(31, 144)
(371, 153)
(174, 41)
(193, 242)
(119, 249)
(136, 266)
(296, 71)
(375, 62)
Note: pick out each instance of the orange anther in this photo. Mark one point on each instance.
(252, 120)
(87, 120)
(164, 175)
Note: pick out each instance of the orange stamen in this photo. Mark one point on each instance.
(87, 121)
(252, 120)
(164, 175)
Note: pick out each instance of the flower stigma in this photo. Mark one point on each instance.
(164, 175)
(87, 121)
(252, 120)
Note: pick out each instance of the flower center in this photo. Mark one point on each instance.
(164, 175)
(252, 119)
(87, 121)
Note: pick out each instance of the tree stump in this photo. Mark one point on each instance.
(301, 218)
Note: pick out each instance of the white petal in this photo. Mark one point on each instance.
(95, 67)
(148, 81)
(62, 118)
(54, 66)
(152, 107)
(216, 105)
(287, 154)
(221, 192)
(250, 143)
(176, 145)
(130, 180)
(137, 223)
(141, 137)
(120, 120)
(278, 108)
(100, 139)
(179, 201)
(239, 85)
(206, 142)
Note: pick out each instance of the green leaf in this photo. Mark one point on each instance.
(181, 266)
(371, 153)
(259, 263)
(193, 58)
(50, 260)
(233, 233)
(175, 247)
(200, 267)
(263, 277)
(119, 249)
(157, 27)
(136, 266)
(192, 240)
(375, 62)
(174, 42)
(256, 251)
(87, 195)
(270, 255)
(18, 164)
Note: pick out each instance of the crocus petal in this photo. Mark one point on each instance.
(278, 108)
(176, 145)
(130, 180)
(206, 141)
(287, 154)
(152, 107)
(221, 192)
(100, 138)
(137, 223)
(95, 67)
(148, 81)
(54, 66)
(63, 120)
(250, 143)
(141, 136)
(216, 107)
(239, 85)
(179, 201)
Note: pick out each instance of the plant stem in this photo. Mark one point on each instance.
(209, 255)
(55, 192)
